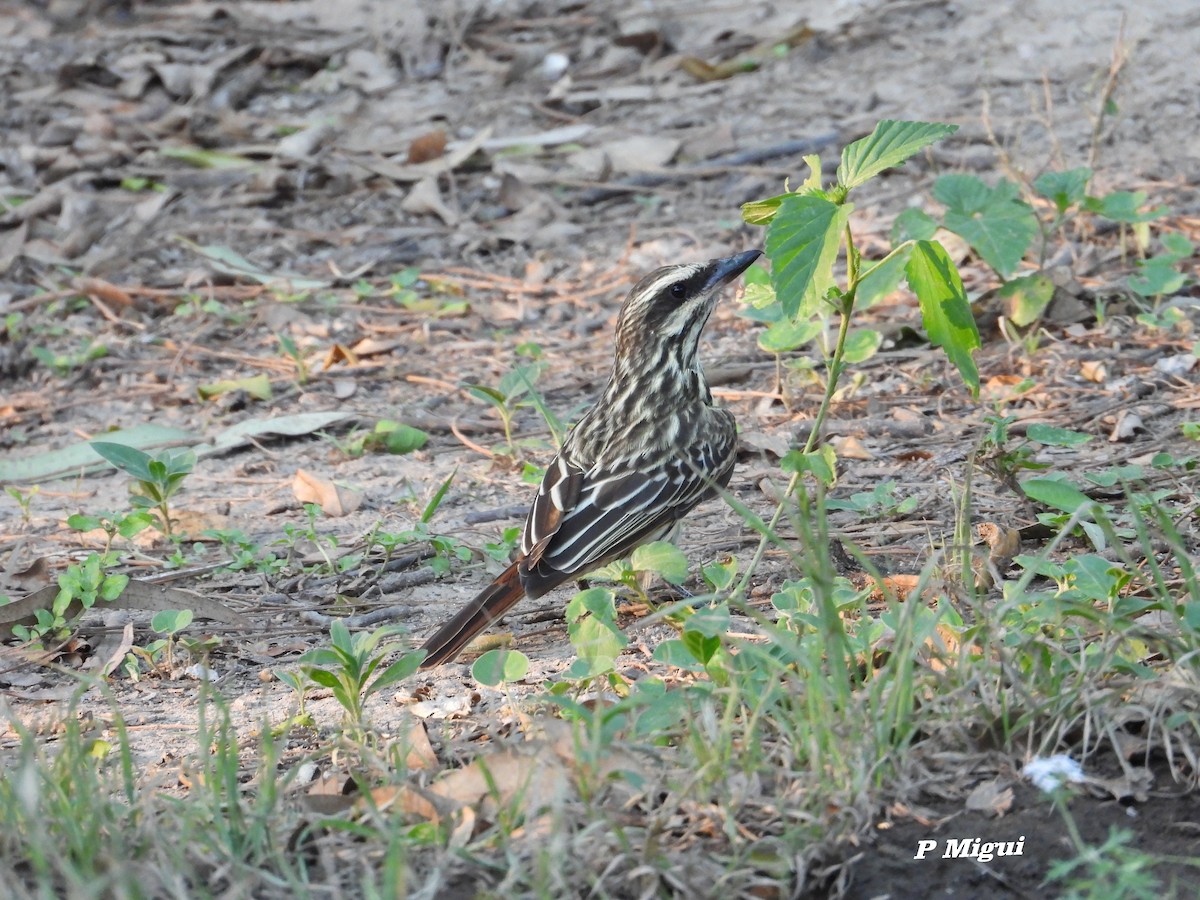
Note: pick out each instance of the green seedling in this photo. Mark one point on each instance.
(168, 623)
(156, 478)
(878, 503)
(288, 348)
(349, 666)
(809, 227)
(387, 437)
(127, 526)
(24, 499)
(62, 364)
(515, 391)
(86, 582)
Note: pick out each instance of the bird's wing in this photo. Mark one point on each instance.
(615, 511)
(558, 493)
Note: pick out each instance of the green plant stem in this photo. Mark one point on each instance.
(836, 364)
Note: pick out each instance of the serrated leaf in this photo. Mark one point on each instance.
(914, 225)
(498, 667)
(1064, 189)
(996, 222)
(663, 558)
(1053, 436)
(945, 310)
(789, 334)
(1055, 494)
(802, 243)
(890, 144)
(1026, 298)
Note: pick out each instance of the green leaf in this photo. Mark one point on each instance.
(257, 387)
(822, 464)
(128, 459)
(702, 647)
(597, 601)
(995, 221)
(324, 678)
(205, 159)
(486, 394)
(664, 559)
(1055, 494)
(882, 278)
(676, 653)
(435, 501)
(720, 575)
(402, 668)
(1027, 298)
(1125, 206)
(812, 183)
(802, 243)
(339, 634)
(712, 621)
(500, 667)
(1056, 437)
(761, 212)
(945, 310)
(171, 621)
(1064, 189)
(861, 345)
(914, 225)
(1177, 246)
(113, 586)
(759, 296)
(400, 438)
(80, 522)
(1157, 277)
(789, 334)
(890, 144)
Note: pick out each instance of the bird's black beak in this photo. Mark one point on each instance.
(722, 271)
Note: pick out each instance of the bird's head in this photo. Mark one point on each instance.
(670, 306)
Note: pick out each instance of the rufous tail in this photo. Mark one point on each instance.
(492, 602)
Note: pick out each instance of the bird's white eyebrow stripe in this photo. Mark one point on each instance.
(676, 273)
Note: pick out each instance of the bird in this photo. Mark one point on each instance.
(648, 452)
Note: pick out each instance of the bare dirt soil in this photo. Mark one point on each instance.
(183, 184)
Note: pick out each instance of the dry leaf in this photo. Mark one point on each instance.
(850, 447)
(426, 198)
(420, 751)
(333, 500)
(1094, 370)
(994, 798)
(427, 146)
